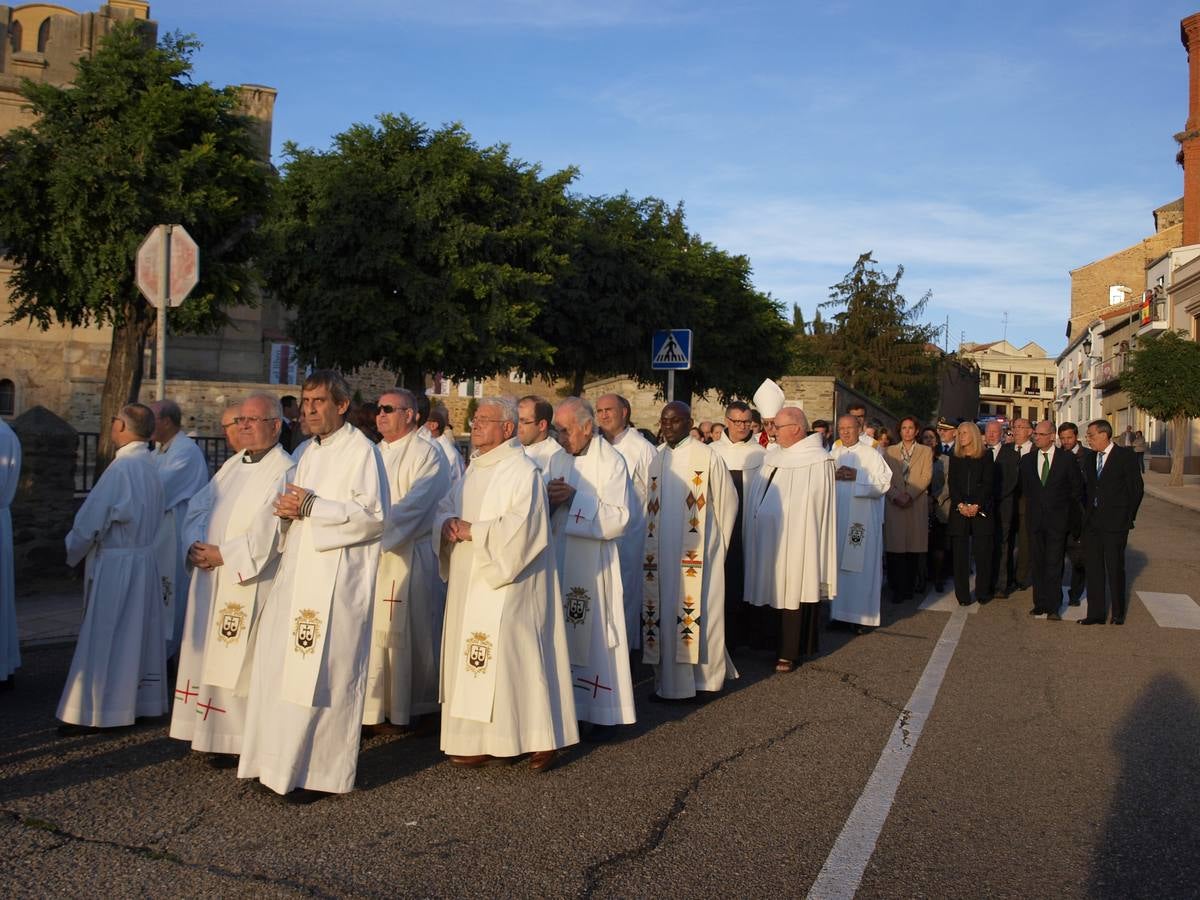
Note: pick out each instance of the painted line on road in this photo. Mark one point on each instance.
(1172, 610)
(843, 871)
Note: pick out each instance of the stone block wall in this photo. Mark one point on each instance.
(44, 506)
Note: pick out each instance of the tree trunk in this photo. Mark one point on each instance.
(1179, 443)
(124, 379)
(577, 383)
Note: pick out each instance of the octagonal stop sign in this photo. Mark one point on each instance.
(168, 265)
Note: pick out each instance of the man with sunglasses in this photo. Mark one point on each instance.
(410, 598)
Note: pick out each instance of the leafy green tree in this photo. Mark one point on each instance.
(416, 249)
(1163, 377)
(131, 144)
(875, 341)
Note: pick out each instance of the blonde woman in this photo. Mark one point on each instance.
(906, 519)
(971, 526)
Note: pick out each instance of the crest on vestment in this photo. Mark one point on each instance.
(858, 531)
(578, 603)
(306, 631)
(232, 618)
(478, 653)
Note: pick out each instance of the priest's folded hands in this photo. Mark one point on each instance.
(294, 503)
(205, 556)
(845, 473)
(456, 530)
(559, 492)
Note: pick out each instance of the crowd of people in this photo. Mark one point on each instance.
(331, 580)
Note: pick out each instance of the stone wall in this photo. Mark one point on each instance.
(1090, 283)
(44, 506)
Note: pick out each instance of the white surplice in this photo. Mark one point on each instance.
(790, 527)
(184, 471)
(454, 457)
(410, 596)
(672, 679)
(235, 511)
(303, 733)
(638, 453)
(118, 671)
(541, 453)
(505, 576)
(860, 534)
(586, 536)
(10, 474)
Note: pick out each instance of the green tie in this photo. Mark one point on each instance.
(1045, 466)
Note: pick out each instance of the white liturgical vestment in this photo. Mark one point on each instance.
(506, 679)
(184, 471)
(860, 534)
(410, 596)
(586, 536)
(541, 453)
(309, 677)
(790, 527)
(638, 453)
(118, 671)
(234, 511)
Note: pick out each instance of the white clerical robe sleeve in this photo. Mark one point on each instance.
(723, 495)
(195, 523)
(602, 516)
(508, 544)
(183, 473)
(344, 523)
(430, 482)
(110, 500)
(245, 555)
(874, 477)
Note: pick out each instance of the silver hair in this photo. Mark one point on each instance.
(506, 405)
(584, 413)
(274, 407)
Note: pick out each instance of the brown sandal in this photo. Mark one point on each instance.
(784, 665)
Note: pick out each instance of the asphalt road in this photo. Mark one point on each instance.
(1058, 761)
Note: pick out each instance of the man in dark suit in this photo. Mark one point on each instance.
(1019, 547)
(1112, 494)
(1068, 440)
(1005, 471)
(1052, 486)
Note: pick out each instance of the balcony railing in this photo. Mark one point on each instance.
(1109, 370)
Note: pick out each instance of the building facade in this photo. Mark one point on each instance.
(1014, 382)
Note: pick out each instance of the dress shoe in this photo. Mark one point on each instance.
(1054, 617)
(965, 602)
(304, 796)
(1074, 602)
(543, 760)
(1091, 621)
(862, 629)
(472, 762)
(1116, 621)
(783, 666)
(1035, 612)
(1001, 595)
(983, 601)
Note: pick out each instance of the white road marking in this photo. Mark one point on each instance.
(947, 601)
(843, 870)
(1172, 610)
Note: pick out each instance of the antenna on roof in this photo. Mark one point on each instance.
(1006, 325)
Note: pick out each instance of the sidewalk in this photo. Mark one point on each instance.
(49, 612)
(1187, 495)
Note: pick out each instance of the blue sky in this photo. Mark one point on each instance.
(988, 148)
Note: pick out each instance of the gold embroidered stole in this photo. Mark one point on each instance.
(691, 564)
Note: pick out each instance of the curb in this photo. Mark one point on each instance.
(1168, 496)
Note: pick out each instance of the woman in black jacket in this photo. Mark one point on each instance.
(972, 525)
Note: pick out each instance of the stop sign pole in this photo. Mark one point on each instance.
(168, 267)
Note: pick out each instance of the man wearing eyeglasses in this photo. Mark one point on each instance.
(183, 470)
(309, 677)
(691, 512)
(232, 535)
(506, 678)
(742, 456)
(410, 598)
(535, 431)
(612, 417)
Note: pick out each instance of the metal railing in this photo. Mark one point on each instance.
(215, 450)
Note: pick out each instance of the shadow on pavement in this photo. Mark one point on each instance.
(1149, 844)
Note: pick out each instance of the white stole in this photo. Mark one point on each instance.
(166, 550)
(391, 615)
(687, 606)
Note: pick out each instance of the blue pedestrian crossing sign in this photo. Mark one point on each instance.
(671, 349)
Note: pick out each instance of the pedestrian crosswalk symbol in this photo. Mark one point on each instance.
(671, 349)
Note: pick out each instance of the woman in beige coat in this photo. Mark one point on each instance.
(906, 520)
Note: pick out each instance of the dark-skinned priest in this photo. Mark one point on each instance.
(506, 672)
(310, 667)
(690, 512)
(791, 546)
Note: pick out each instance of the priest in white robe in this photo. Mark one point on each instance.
(506, 678)
(590, 500)
(437, 430)
(743, 456)
(232, 535)
(863, 478)
(612, 415)
(690, 514)
(184, 471)
(535, 430)
(10, 474)
(791, 535)
(309, 679)
(410, 597)
(118, 672)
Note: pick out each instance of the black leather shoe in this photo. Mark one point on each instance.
(1116, 621)
(1001, 595)
(965, 602)
(1054, 617)
(1073, 602)
(1090, 621)
(1035, 612)
(983, 601)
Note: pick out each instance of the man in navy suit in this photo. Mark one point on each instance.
(1052, 486)
(1112, 494)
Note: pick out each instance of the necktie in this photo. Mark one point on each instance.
(1045, 466)
(1099, 464)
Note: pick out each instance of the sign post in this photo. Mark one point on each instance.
(671, 349)
(168, 267)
